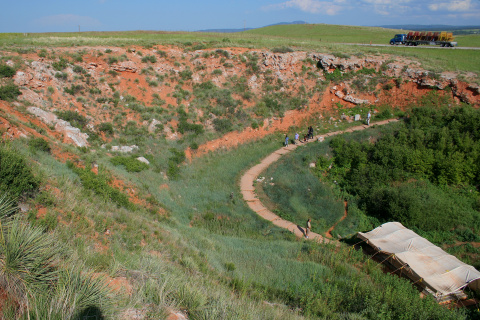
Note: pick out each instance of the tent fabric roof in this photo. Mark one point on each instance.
(442, 272)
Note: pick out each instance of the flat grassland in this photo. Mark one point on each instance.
(308, 37)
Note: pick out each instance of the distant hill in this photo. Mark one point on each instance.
(246, 29)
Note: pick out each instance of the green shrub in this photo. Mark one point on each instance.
(39, 144)
(95, 91)
(149, 58)
(282, 50)
(42, 53)
(6, 71)
(79, 69)
(162, 53)
(174, 161)
(184, 126)
(112, 60)
(222, 125)
(9, 92)
(73, 117)
(74, 89)
(16, 177)
(99, 184)
(388, 86)
(130, 163)
(106, 127)
(194, 145)
(60, 64)
(61, 75)
(217, 72)
(186, 74)
(224, 53)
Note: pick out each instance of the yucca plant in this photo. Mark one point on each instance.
(76, 295)
(27, 257)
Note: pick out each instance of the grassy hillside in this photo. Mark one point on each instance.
(198, 250)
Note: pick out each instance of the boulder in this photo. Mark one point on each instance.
(124, 149)
(142, 159)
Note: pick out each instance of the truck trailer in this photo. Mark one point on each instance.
(415, 38)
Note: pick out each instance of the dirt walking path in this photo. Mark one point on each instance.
(248, 189)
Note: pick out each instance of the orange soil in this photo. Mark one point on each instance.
(329, 231)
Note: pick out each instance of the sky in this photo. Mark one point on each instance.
(193, 15)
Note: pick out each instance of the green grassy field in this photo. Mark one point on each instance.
(316, 38)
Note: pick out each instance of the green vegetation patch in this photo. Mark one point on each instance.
(74, 118)
(99, 184)
(6, 71)
(423, 173)
(16, 177)
(131, 164)
(296, 194)
(9, 92)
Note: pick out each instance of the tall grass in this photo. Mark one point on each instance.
(298, 194)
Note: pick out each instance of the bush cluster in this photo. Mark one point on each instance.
(106, 127)
(99, 184)
(39, 144)
(6, 71)
(425, 174)
(16, 177)
(59, 65)
(9, 92)
(174, 161)
(131, 164)
(73, 117)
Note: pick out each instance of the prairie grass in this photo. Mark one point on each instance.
(211, 255)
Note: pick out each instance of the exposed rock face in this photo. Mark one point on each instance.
(409, 71)
(153, 126)
(71, 134)
(22, 78)
(354, 100)
(125, 149)
(281, 61)
(126, 66)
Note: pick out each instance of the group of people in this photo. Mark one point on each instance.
(307, 136)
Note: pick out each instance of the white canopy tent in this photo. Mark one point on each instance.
(440, 273)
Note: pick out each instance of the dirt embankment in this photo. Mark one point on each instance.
(150, 87)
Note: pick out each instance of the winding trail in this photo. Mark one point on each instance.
(248, 189)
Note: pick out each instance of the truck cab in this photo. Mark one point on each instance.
(398, 39)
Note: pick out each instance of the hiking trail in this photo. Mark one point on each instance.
(248, 189)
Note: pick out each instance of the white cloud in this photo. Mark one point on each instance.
(454, 5)
(67, 20)
(386, 7)
(311, 6)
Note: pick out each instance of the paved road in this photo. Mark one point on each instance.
(248, 189)
(410, 47)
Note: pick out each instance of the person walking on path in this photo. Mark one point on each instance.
(297, 137)
(286, 140)
(310, 132)
(308, 227)
(369, 115)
